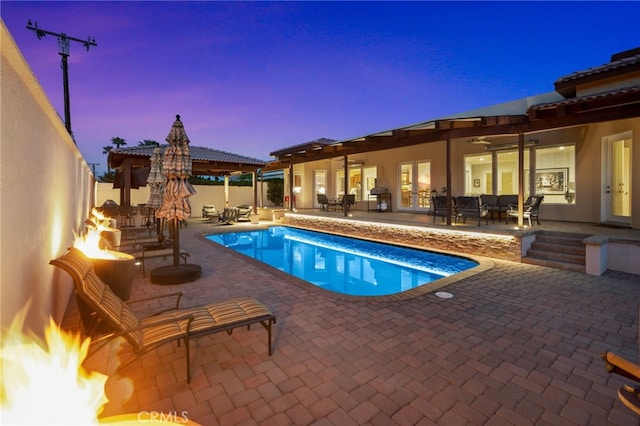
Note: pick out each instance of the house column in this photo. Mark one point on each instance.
(345, 199)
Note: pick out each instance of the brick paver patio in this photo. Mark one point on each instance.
(517, 344)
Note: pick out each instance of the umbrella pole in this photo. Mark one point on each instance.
(176, 242)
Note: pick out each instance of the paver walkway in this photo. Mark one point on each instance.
(517, 344)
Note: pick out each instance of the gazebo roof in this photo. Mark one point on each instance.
(206, 161)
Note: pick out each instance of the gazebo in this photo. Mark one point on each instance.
(132, 166)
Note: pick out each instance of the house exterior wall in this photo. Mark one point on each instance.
(47, 189)
(587, 139)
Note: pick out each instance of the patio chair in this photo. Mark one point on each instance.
(531, 209)
(491, 202)
(471, 207)
(629, 395)
(148, 333)
(323, 200)
(439, 207)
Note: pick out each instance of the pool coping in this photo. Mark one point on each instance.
(484, 264)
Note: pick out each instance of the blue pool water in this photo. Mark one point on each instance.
(340, 264)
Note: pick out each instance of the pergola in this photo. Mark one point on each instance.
(132, 167)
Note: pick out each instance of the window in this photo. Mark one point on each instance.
(369, 177)
(355, 183)
(507, 172)
(478, 174)
(556, 174)
(358, 178)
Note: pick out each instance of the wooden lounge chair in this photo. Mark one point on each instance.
(629, 395)
(146, 334)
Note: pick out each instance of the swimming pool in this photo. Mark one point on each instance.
(340, 264)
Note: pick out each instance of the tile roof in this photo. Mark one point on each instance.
(305, 146)
(616, 65)
(197, 153)
(601, 95)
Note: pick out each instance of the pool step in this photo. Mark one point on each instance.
(560, 250)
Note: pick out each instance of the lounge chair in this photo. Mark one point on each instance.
(244, 212)
(209, 211)
(629, 395)
(531, 209)
(149, 333)
(229, 214)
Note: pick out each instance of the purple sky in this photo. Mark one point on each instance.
(254, 77)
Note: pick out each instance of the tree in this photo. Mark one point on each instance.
(275, 191)
(148, 142)
(106, 150)
(118, 142)
(108, 177)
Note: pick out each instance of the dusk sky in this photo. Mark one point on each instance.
(254, 77)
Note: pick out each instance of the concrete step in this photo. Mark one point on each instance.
(560, 250)
(554, 264)
(568, 239)
(557, 256)
(556, 247)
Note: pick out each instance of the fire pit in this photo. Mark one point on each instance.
(44, 382)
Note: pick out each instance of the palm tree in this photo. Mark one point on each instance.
(118, 142)
(106, 150)
(148, 142)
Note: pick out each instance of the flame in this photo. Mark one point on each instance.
(44, 382)
(91, 243)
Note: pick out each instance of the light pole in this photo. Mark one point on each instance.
(63, 44)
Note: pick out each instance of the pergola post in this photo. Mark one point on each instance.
(520, 180)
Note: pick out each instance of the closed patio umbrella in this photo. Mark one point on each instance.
(155, 182)
(175, 207)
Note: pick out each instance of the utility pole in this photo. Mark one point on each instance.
(63, 44)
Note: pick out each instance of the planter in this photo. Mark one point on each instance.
(255, 218)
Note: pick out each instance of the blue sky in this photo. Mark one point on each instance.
(254, 77)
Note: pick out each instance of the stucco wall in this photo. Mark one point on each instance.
(46, 190)
(206, 194)
(589, 176)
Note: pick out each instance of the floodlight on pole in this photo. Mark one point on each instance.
(63, 44)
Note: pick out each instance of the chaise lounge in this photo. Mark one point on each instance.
(148, 333)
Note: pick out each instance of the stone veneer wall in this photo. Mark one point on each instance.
(506, 247)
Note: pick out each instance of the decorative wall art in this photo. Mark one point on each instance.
(551, 181)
